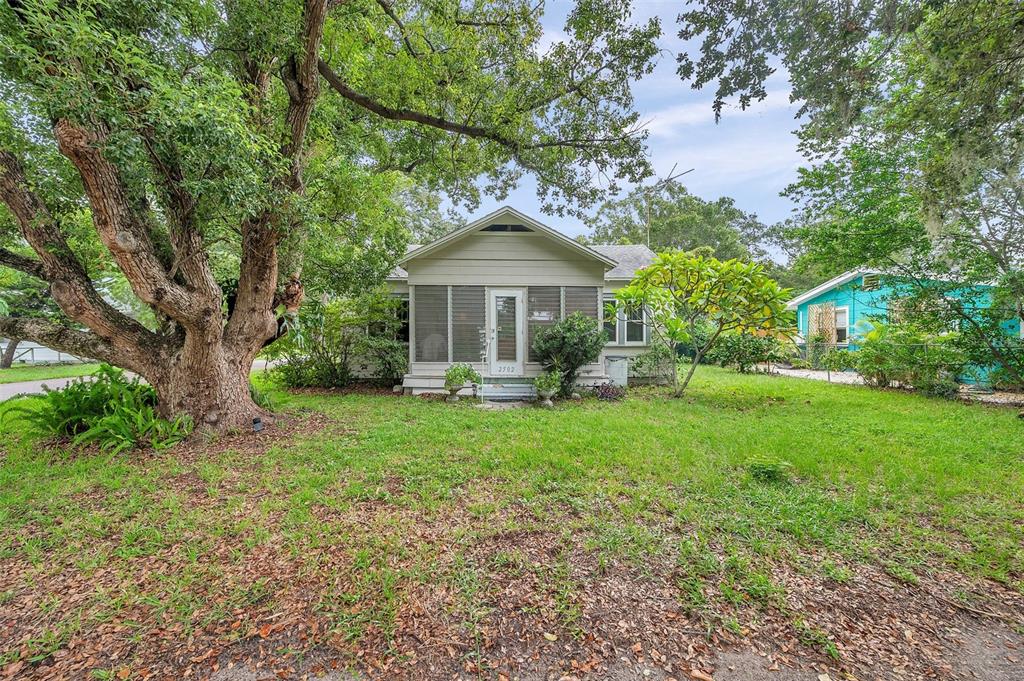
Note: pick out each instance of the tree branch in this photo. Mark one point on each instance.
(70, 286)
(475, 131)
(394, 114)
(124, 232)
(71, 341)
(253, 314)
(22, 263)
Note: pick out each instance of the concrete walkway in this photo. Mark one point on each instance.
(9, 390)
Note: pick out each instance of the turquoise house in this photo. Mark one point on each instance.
(841, 306)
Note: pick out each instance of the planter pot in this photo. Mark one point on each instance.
(545, 398)
(453, 394)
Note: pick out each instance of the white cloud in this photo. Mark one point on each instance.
(666, 123)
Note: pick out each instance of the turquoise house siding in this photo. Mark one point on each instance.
(862, 306)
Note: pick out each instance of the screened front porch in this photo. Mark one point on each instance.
(490, 327)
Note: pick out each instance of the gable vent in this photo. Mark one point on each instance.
(871, 282)
(506, 228)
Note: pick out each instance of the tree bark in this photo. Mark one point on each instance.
(8, 358)
(209, 383)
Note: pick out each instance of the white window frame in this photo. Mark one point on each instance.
(621, 325)
(605, 300)
(643, 327)
(846, 311)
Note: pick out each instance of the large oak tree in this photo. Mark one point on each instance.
(198, 150)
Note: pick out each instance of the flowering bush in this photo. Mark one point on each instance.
(609, 392)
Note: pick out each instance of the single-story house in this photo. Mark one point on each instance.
(841, 307)
(480, 294)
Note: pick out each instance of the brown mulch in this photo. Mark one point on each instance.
(507, 596)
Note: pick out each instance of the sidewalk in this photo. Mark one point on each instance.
(9, 390)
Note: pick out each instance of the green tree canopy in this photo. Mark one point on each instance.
(691, 298)
(679, 220)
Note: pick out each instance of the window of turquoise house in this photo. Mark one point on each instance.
(842, 324)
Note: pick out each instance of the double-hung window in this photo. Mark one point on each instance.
(610, 314)
(636, 330)
(627, 326)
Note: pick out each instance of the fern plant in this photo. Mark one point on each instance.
(107, 409)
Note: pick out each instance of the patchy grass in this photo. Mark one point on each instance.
(41, 372)
(395, 532)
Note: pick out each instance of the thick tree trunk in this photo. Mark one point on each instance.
(8, 358)
(214, 393)
(208, 381)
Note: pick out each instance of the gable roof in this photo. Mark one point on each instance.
(472, 227)
(628, 259)
(834, 282)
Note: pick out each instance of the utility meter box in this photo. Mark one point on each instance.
(618, 369)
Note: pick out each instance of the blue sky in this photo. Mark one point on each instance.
(750, 155)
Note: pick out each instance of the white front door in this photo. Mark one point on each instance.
(507, 331)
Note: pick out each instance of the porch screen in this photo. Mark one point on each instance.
(543, 308)
(430, 309)
(468, 314)
(582, 299)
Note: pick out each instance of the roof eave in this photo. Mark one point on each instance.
(843, 278)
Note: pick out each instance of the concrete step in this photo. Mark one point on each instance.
(507, 392)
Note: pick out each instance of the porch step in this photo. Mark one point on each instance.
(507, 391)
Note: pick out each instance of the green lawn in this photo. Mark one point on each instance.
(382, 508)
(41, 372)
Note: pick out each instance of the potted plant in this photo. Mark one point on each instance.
(456, 378)
(547, 384)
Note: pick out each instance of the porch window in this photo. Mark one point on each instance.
(582, 299)
(543, 308)
(611, 323)
(468, 323)
(431, 323)
(403, 320)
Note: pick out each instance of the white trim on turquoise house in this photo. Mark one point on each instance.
(541, 274)
(844, 278)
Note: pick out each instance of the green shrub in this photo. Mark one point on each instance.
(384, 358)
(837, 360)
(816, 349)
(458, 375)
(107, 409)
(333, 343)
(549, 381)
(944, 388)
(744, 351)
(569, 345)
(893, 354)
(660, 362)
